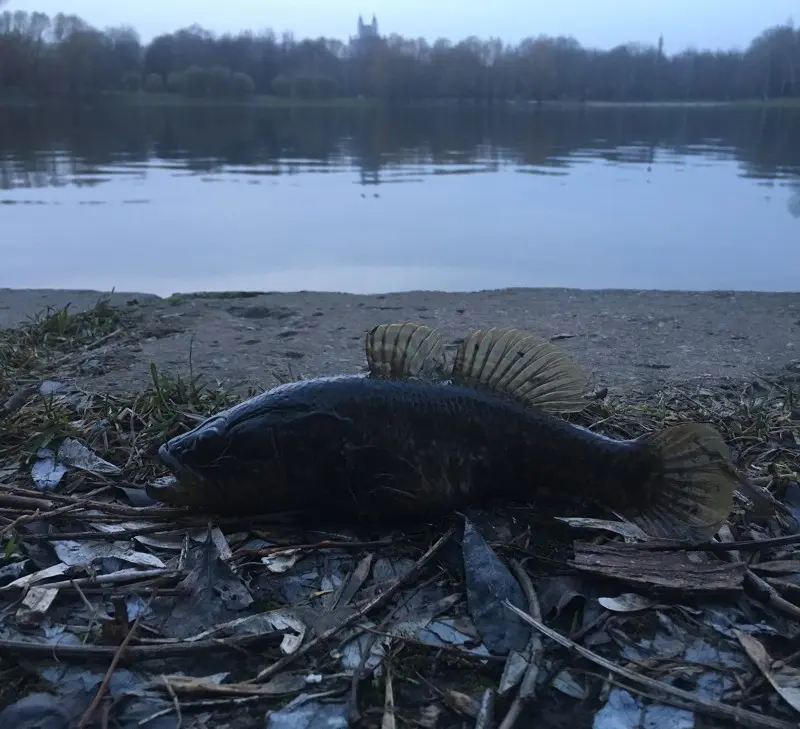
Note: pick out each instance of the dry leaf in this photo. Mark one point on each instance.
(785, 680)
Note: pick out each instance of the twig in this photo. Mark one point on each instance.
(666, 693)
(119, 536)
(37, 516)
(101, 691)
(527, 687)
(23, 502)
(157, 512)
(175, 702)
(94, 616)
(325, 544)
(133, 653)
(377, 601)
(771, 596)
(747, 545)
(209, 704)
(114, 578)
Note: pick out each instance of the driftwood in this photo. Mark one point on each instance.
(661, 571)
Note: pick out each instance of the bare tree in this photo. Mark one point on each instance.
(64, 55)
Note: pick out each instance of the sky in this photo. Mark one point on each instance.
(597, 23)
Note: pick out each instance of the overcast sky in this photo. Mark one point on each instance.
(599, 23)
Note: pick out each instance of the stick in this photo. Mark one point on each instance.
(666, 693)
(98, 697)
(133, 653)
(748, 545)
(175, 702)
(527, 687)
(771, 596)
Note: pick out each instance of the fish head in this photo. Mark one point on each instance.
(194, 458)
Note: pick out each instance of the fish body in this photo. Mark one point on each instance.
(400, 444)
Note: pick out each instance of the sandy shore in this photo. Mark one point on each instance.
(625, 339)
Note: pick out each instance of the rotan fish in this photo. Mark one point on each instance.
(402, 443)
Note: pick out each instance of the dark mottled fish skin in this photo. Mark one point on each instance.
(415, 439)
(376, 450)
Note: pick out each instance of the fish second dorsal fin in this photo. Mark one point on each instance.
(400, 351)
(523, 366)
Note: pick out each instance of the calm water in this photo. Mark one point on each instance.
(165, 200)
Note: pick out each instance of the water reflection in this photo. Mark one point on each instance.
(380, 199)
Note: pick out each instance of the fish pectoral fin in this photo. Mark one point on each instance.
(691, 495)
(522, 366)
(400, 351)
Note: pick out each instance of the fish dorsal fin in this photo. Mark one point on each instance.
(401, 351)
(523, 366)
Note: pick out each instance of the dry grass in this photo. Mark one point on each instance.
(121, 429)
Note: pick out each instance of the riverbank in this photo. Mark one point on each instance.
(628, 340)
(97, 580)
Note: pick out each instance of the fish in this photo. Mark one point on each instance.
(421, 434)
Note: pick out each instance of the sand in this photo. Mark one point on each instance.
(627, 340)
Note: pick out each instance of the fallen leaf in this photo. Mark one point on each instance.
(306, 712)
(284, 621)
(37, 602)
(627, 602)
(567, 684)
(74, 453)
(489, 582)
(281, 561)
(36, 711)
(626, 529)
(785, 679)
(514, 669)
(623, 710)
(352, 651)
(46, 472)
(55, 571)
(83, 554)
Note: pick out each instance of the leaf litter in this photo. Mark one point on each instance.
(116, 610)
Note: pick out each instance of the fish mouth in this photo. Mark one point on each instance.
(178, 492)
(173, 463)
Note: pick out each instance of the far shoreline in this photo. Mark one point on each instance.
(11, 297)
(146, 100)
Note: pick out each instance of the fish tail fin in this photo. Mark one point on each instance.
(691, 494)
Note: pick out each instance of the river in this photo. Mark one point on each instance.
(167, 200)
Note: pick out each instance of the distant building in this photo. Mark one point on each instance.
(366, 38)
(367, 31)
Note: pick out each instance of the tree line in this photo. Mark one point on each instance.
(63, 56)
